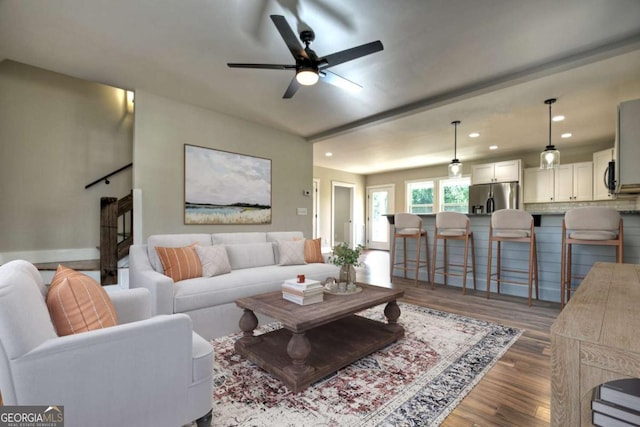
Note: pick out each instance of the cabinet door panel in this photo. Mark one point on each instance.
(507, 171)
(583, 181)
(482, 174)
(563, 183)
(538, 185)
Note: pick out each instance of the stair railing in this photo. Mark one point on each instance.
(116, 235)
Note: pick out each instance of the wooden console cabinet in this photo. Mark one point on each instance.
(595, 339)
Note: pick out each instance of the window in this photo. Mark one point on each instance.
(454, 195)
(420, 197)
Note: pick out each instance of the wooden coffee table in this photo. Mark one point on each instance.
(318, 339)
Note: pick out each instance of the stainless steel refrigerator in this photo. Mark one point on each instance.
(487, 198)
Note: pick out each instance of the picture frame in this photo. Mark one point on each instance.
(222, 187)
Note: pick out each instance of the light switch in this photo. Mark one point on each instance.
(302, 211)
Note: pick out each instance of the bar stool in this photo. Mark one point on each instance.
(512, 225)
(409, 226)
(590, 225)
(453, 226)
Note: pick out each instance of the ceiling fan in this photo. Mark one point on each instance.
(309, 68)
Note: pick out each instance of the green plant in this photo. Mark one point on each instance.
(342, 254)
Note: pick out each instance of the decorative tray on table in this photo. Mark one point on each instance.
(327, 290)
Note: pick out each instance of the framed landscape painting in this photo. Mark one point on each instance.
(221, 187)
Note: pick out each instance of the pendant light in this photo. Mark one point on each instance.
(455, 167)
(550, 157)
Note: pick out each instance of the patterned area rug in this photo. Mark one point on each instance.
(416, 381)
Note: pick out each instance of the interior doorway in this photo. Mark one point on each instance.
(380, 201)
(342, 200)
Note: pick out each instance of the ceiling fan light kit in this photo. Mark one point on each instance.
(309, 68)
(455, 167)
(550, 157)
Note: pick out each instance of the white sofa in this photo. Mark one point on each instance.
(209, 301)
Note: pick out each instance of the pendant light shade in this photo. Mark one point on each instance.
(455, 167)
(550, 157)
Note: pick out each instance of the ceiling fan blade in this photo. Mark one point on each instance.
(291, 90)
(263, 66)
(349, 54)
(341, 82)
(289, 36)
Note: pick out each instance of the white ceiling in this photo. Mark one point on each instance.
(488, 63)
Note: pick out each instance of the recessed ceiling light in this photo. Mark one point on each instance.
(566, 135)
(493, 147)
(328, 154)
(474, 135)
(558, 118)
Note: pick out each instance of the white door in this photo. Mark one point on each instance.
(342, 201)
(380, 201)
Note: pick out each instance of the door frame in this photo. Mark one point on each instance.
(390, 210)
(352, 188)
(316, 212)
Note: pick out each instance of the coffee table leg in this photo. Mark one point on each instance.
(298, 350)
(392, 311)
(248, 322)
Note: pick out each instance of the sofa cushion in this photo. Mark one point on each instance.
(313, 250)
(290, 252)
(274, 236)
(77, 303)
(214, 260)
(194, 294)
(172, 241)
(249, 255)
(237, 238)
(180, 263)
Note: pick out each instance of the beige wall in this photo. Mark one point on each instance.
(163, 126)
(57, 134)
(326, 178)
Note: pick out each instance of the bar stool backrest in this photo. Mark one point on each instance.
(406, 223)
(446, 220)
(592, 218)
(511, 219)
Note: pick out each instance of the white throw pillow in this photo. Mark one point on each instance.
(214, 260)
(291, 252)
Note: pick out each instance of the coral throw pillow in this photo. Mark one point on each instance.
(180, 263)
(77, 303)
(312, 251)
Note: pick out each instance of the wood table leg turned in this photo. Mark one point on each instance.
(248, 323)
(298, 350)
(392, 312)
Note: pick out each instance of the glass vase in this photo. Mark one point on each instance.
(347, 274)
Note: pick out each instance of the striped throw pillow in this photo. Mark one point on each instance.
(313, 251)
(77, 303)
(180, 263)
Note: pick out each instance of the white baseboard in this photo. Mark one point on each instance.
(51, 255)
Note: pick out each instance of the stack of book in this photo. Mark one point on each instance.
(305, 293)
(618, 404)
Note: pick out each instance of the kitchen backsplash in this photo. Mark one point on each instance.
(622, 203)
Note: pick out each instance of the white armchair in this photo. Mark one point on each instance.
(146, 371)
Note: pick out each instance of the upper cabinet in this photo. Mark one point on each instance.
(571, 182)
(496, 172)
(601, 161)
(538, 185)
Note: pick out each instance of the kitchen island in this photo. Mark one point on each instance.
(515, 256)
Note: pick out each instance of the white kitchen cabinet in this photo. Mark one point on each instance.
(601, 161)
(538, 185)
(573, 182)
(496, 172)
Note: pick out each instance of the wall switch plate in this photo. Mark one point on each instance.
(302, 211)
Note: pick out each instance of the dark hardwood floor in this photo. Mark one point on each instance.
(516, 391)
